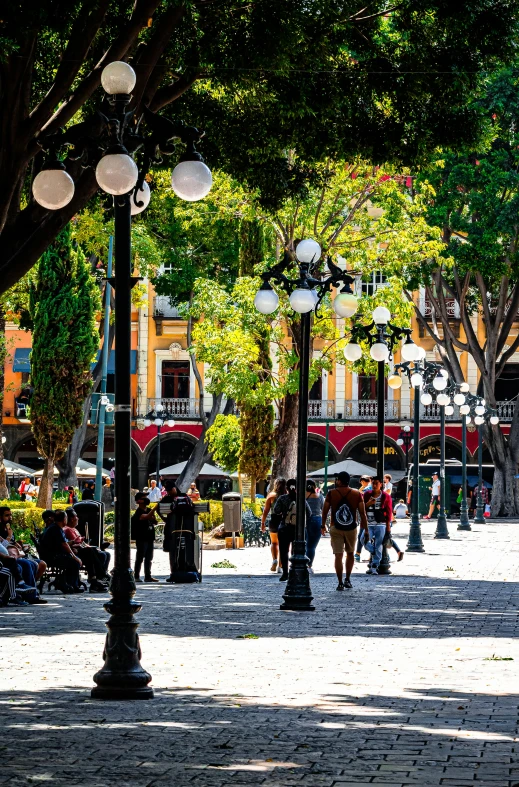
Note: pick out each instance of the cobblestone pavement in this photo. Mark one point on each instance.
(405, 680)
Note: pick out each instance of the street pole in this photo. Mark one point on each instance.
(157, 473)
(442, 530)
(381, 380)
(464, 523)
(104, 370)
(298, 594)
(479, 519)
(122, 676)
(326, 452)
(415, 543)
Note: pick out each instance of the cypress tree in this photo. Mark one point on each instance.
(65, 340)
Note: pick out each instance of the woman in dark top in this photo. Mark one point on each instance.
(280, 488)
(285, 508)
(313, 527)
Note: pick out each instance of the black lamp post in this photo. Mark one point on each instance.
(158, 419)
(405, 438)
(382, 337)
(306, 293)
(420, 374)
(107, 140)
(474, 408)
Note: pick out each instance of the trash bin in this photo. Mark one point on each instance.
(91, 516)
(231, 503)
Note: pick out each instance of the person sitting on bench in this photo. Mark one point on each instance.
(95, 560)
(56, 551)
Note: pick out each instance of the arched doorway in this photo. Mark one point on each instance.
(316, 452)
(89, 452)
(364, 450)
(430, 449)
(27, 454)
(174, 448)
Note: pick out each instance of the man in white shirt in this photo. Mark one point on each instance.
(435, 495)
(154, 494)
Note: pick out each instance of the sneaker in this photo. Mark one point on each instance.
(357, 557)
(400, 556)
(274, 566)
(170, 580)
(78, 590)
(151, 579)
(97, 587)
(340, 586)
(310, 570)
(18, 602)
(283, 577)
(372, 571)
(280, 570)
(347, 584)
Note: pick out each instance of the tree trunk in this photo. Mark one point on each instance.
(252, 489)
(199, 456)
(285, 458)
(67, 465)
(47, 480)
(505, 490)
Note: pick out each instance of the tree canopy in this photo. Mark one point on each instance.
(333, 77)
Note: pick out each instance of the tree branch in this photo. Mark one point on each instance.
(165, 95)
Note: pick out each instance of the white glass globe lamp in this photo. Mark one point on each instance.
(459, 399)
(379, 351)
(118, 77)
(308, 250)
(468, 420)
(170, 423)
(353, 352)
(191, 180)
(409, 351)
(143, 195)
(266, 300)
(117, 173)
(426, 399)
(479, 409)
(407, 428)
(464, 409)
(345, 304)
(479, 420)
(443, 399)
(158, 422)
(416, 380)
(494, 420)
(399, 441)
(440, 383)
(394, 381)
(53, 188)
(381, 315)
(303, 300)
(147, 422)
(421, 353)
(449, 410)
(444, 373)
(464, 387)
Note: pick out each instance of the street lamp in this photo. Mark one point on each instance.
(108, 140)
(405, 438)
(477, 409)
(158, 419)
(305, 294)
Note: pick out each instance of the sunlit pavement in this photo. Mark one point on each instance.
(405, 680)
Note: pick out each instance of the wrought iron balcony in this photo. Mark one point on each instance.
(367, 409)
(186, 409)
(163, 309)
(321, 409)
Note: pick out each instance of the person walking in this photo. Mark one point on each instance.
(106, 494)
(435, 495)
(143, 533)
(285, 507)
(313, 528)
(365, 486)
(379, 512)
(154, 493)
(388, 484)
(280, 488)
(346, 506)
(88, 492)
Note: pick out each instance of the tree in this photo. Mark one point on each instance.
(475, 202)
(388, 82)
(224, 442)
(257, 443)
(65, 340)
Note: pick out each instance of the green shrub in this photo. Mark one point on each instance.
(26, 516)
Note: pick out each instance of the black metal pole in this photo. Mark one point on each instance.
(381, 380)
(464, 523)
(415, 543)
(479, 519)
(442, 530)
(298, 594)
(122, 676)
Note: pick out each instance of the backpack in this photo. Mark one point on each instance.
(290, 518)
(182, 504)
(344, 518)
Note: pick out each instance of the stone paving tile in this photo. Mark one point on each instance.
(394, 683)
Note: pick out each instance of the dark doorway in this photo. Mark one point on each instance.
(365, 452)
(431, 450)
(507, 386)
(316, 391)
(172, 451)
(315, 455)
(175, 379)
(368, 387)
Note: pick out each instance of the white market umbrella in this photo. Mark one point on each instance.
(207, 471)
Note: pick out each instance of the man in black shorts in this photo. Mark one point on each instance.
(346, 505)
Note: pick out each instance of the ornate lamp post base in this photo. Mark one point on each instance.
(441, 527)
(385, 564)
(298, 594)
(122, 677)
(415, 543)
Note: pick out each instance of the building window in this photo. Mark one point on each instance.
(316, 391)
(376, 280)
(175, 379)
(368, 387)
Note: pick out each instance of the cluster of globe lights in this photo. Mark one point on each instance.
(158, 421)
(304, 299)
(117, 173)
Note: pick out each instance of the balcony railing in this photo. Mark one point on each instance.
(505, 411)
(321, 409)
(453, 309)
(367, 409)
(175, 408)
(163, 309)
